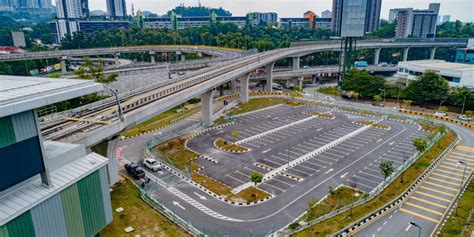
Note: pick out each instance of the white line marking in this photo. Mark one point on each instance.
(379, 140)
(329, 171)
(266, 151)
(344, 175)
(408, 227)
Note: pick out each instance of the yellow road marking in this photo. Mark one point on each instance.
(449, 172)
(441, 186)
(451, 168)
(418, 215)
(445, 176)
(431, 203)
(424, 208)
(437, 191)
(444, 181)
(455, 157)
(464, 148)
(433, 196)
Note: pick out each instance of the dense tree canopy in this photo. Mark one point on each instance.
(198, 11)
(430, 87)
(455, 29)
(362, 82)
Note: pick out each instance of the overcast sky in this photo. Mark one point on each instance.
(458, 9)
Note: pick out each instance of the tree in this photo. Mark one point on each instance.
(377, 98)
(469, 113)
(430, 87)
(89, 71)
(362, 82)
(256, 177)
(294, 94)
(407, 103)
(386, 168)
(235, 134)
(298, 88)
(441, 128)
(443, 109)
(420, 144)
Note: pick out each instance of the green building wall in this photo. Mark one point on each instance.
(79, 210)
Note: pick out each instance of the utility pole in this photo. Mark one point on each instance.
(119, 110)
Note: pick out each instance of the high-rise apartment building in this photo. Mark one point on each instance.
(326, 14)
(116, 9)
(72, 9)
(417, 23)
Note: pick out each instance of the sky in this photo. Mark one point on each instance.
(458, 9)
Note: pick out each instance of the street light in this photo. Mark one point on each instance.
(383, 95)
(464, 172)
(417, 226)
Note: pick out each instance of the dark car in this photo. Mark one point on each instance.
(134, 170)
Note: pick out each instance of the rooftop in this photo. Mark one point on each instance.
(437, 65)
(32, 192)
(18, 94)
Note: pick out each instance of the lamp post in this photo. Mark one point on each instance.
(417, 226)
(120, 112)
(462, 182)
(383, 95)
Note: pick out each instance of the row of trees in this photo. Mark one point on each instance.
(430, 88)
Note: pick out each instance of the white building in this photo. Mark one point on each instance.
(457, 74)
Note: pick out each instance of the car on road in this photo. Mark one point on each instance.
(135, 170)
(361, 64)
(383, 64)
(464, 118)
(441, 114)
(152, 164)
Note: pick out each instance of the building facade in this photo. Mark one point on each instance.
(177, 22)
(326, 14)
(294, 22)
(72, 9)
(457, 74)
(416, 23)
(47, 188)
(349, 17)
(116, 9)
(62, 27)
(311, 16)
(372, 19)
(322, 23)
(265, 17)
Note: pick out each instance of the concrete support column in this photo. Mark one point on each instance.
(269, 72)
(152, 57)
(63, 64)
(377, 56)
(183, 58)
(206, 101)
(296, 63)
(244, 88)
(116, 58)
(405, 53)
(433, 53)
(233, 86)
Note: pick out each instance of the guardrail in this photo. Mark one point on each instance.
(453, 121)
(393, 40)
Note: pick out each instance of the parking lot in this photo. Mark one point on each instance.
(284, 134)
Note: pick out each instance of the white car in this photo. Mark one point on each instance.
(152, 164)
(464, 118)
(441, 114)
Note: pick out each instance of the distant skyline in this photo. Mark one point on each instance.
(458, 9)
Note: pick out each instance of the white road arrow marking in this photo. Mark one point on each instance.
(179, 205)
(329, 171)
(200, 196)
(344, 175)
(408, 227)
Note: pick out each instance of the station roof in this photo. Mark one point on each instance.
(20, 93)
(438, 65)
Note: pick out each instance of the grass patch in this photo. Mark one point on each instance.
(294, 103)
(160, 120)
(223, 144)
(427, 126)
(138, 214)
(321, 115)
(175, 151)
(329, 91)
(373, 124)
(255, 104)
(396, 188)
(453, 227)
(338, 198)
(211, 184)
(251, 194)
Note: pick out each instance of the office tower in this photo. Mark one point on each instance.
(349, 17)
(372, 19)
(116, 9)
(72, 9)
(326, 14)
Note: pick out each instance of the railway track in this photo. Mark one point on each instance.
(107, 112)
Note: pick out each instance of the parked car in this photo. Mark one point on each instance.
(465, 118)
(152, 164)
(361, 64)
(441, 114)
(383, 64)
(134, 170)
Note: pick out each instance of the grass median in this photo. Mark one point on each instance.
(396, 188)
(137, 214)
(251, 105)
(464, 216)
